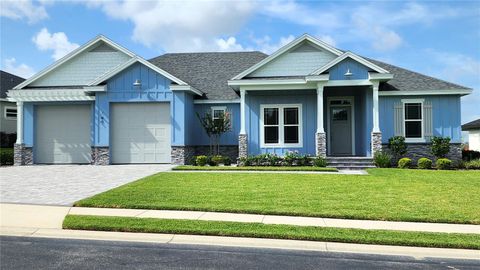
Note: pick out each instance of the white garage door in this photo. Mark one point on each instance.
(62, 134)
(140, 133)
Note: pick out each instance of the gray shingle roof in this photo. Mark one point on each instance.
(208, 72)
(475, 124)
(7, 82)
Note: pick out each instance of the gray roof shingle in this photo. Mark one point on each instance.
(208, 72)
(475, 124)
(7, 82)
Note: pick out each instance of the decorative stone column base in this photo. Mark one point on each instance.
(100, 155)
(182, 155)
(376, 142)
(22, 155)
(242, 145)
(321, 144)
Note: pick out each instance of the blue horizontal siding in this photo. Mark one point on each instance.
(359, 71)
(446, 114)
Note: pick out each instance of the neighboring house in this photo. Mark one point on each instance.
(8, 120)
(473, 129)
(102, 104)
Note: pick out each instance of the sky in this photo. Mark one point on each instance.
(436, 38)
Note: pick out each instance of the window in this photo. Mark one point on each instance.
(413, 116)
(218, 113)
(10, 113)
(280, 125)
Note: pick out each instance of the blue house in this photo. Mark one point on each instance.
(102, 104)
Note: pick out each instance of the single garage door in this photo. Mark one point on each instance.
(140, 133)
(62, 134)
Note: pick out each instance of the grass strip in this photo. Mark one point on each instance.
(253, 168)
(259, 230)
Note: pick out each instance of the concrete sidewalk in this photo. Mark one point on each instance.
(38, 216)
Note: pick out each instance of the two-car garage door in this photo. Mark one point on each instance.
(139, 133)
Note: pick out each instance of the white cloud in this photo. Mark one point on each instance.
(23, 9)
(56, 42)
(180, 26)
(328, 39)
(22, 70)
(229, 44)
(265, 44)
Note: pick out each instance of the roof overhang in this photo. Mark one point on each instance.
(45, 95)
(186, 88)
(353, 56)
(461, 92)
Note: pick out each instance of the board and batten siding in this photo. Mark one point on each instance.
(441, 116)
(299, 61)
(83, 69)
(199, 136)
(359, 71)
(309, 115)
(154, 88)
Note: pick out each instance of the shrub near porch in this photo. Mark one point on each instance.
(385, 194)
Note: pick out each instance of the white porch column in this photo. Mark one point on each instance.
(376, 137)
(320, 137)
(19, 122)
(243, 92)
(242, 137)
(376, 125)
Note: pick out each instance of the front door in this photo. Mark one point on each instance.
(340, 130)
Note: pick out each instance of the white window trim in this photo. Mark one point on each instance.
(218, 108)
(5, 113)
(422, 120)
(281, 126)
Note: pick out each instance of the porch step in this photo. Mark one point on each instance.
(350, 163)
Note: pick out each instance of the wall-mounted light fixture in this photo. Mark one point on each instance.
(137, 83)
(348, 73)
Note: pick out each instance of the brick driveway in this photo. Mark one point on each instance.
(65, 184)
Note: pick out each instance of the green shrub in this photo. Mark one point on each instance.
(397, 145)
(6, 156)
(440, 146)
(404, 163)
(217, 160)
(424, 163)
(382, 160)
(227, 161)
(193, 161)
(443, 164)
(319, 162)
(472, 164)
(202, 160)
(290, 159)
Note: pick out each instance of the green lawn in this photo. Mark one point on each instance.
(252, 168)
(151, 225)
(385, 194)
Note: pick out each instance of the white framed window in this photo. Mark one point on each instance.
(218, 112)
(413, 118)
(10, 113)
(281, 125)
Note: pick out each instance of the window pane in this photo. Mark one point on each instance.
(217, 113)
(413, 129)
(291, 134)
(340, 114)
(271, 134)
(413, 111)
(271, 116)
(290, 116)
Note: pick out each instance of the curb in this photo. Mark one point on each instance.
(175, 239)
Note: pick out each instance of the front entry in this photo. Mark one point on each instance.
(340, 128)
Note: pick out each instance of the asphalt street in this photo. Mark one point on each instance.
(46, 253)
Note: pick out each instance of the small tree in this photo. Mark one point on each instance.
(440, 146)
(215, 128)
(398, 146)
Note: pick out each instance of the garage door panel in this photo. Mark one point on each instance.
(140, 133)
(63, 134)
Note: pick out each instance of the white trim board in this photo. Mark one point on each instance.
(284, 49)
(216, 101)
(426, 92)
(72, 54)
(352, 110)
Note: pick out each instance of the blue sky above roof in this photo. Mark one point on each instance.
(440, 39)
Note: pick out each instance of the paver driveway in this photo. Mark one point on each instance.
(65, 184)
